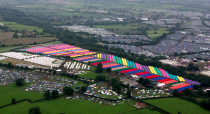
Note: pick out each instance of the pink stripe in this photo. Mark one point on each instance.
(165, 73)
(112, 58)
(162, 72)
(137, 66)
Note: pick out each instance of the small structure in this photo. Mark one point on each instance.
(140, 105)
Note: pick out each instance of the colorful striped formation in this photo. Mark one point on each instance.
(150, 69)
(60, 50)
(119, 64)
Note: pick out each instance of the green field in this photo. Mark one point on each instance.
(57, 106)
(12, 91)
(175, 105)
(159, 31)
(17, 26)
(3, 48)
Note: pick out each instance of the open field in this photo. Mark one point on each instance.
(175, 105)
(17, 26)
(12, 91)
(159, 31)
(28, 40)
(79, 106)
(143, 111)
(3, 48)
(6, 35)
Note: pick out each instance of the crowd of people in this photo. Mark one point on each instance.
(129, 39)
(197, 39)
(99, 100)
(10, 76)
(198, 55)
(43, 85)
(133, 49)
(90, 30)
(170, 47)
(143, 94)
(176, 36)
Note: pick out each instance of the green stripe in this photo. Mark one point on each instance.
(122, 69)
(97, 61)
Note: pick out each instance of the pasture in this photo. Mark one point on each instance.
(4, 48)
(11, 91)
(6, 35)
(79, 106)
(17, 26)
(27, 40)
(175, 105)
(159, 31)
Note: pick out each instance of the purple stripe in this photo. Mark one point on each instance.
(148, 69)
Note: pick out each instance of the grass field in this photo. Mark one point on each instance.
(159, 31)
(17, 26)
(6, 35)
(3, 48)
(12, 91)
(63, 105)
(175, 105)
(27, 40)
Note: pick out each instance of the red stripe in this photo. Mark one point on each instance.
(101, 62)
(164, 80)
(179, 86)
(129, 70)
(153, 76)
(141, 73)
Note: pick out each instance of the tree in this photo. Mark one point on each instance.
(26, 67)
(9, 65)
(54, 93)
(101, 78)
(187, 92)
(84, 89)
(109, 69)
(54, 72)
(128, 94)
(34, 110)
(15, 35)
(13, 101)
(47, 94)
(141, 80)
(128, 85)
(88, 63)
(175, 92)
(99, 68)
(190, 67)
(19, 82)
(68, 91)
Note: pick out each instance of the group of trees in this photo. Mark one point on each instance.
(101, 78)
(55, 93)
(19, 82)
(116, 85)
(143, 81)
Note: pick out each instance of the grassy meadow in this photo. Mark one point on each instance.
(175, 105)
(27, 40)
(17, 26)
